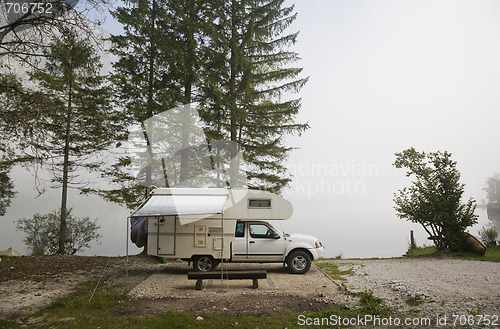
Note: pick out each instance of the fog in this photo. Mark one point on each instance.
(384, 76)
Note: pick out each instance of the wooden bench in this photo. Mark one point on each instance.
(228, 275)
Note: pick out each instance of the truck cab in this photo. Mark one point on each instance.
(259, 241)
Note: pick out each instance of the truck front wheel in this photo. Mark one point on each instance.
(299, 262)
(204, 263)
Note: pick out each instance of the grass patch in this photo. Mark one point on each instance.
(333, 270)
(492, 254)
(83, 309)
(4, 324)
(414, 301)
(109, 305)
(370, 304)
(422, 251)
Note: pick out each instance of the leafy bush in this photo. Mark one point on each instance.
(489, 234)
(42, 233)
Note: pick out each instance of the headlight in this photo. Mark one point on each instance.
(319, 244)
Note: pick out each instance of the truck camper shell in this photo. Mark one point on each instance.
(210, 225)
(193, 204)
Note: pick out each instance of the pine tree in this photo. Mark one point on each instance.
(11, 96)
(75, 118)
(142, 87)
(247, 83)
(228, 56)
(160, 57)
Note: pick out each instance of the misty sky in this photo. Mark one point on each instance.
(384, 76)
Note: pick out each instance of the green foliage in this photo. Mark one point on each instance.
(422, 251)
(75, 116)
(232, 59)
(434, 198)
(333, 270)
(414, 301)
(370, 304)
(475, 311)
(489, 234)
(75, 123)
(492, 255)
(157, 34)
(12, 94)
(4, 324)
(42, 233)
(110, 308)
(6, 191)
(246, 82)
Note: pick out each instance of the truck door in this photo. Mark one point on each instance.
(240, 245)
(264, 243)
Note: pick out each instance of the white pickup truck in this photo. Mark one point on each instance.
(208, 226)
(260, 242)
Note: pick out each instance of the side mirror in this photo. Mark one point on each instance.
(276, 235)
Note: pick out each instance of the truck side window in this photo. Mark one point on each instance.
(240, 230)
(260, 231)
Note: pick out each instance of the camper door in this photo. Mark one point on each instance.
(161, 235)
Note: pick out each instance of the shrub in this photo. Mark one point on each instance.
(489, 234)
(42, 233)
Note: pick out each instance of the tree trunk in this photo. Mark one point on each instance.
(150, 110)
(232, 92)
(66, 168)
(186, 119)
(188, 91)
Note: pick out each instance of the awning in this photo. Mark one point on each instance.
(189, 208)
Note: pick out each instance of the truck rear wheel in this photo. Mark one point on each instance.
(204, 263)
(299, 262)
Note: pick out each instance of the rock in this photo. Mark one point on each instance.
(199, 318)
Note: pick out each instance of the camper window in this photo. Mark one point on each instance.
(240, 230)
(260, 231)
(259, 203)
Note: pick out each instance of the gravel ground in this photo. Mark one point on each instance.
(30, 283)
(278, 293)
(446, 286)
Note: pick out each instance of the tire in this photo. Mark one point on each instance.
(204, 263)
(298, 262)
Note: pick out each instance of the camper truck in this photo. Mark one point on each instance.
(212, 225)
